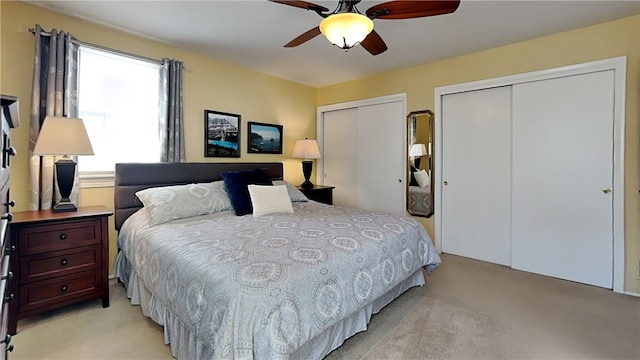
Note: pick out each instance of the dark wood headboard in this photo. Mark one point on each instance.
(133, 177)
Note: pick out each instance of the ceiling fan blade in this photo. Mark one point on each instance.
(304, 37)
(373, 43)
(412, 9)
(303, 5)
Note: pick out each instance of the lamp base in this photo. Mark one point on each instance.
(64, 206)
(65, 172)
(307, 166)
(307, 185)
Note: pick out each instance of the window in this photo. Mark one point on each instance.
(118, 98)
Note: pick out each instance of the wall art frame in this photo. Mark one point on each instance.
(221, 134)
(263, 138)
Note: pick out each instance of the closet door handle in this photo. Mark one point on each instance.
(606, 190)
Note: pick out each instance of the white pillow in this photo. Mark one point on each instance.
(168, 203)
(422, 178)
(267, 199)
(295, 194)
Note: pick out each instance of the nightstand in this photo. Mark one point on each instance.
(59, 259)
(319, 193)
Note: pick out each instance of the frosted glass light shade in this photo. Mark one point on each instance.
(306, 149)
(62, 136)
(345, 30)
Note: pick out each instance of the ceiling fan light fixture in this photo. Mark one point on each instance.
(346, 30)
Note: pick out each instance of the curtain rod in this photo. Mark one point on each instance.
(103, 48)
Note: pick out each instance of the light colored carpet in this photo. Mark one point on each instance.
(468, 310)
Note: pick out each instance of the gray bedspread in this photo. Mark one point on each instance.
(246, 287)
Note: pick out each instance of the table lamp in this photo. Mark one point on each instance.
(63, 136)
(306, 149)
(417, 151)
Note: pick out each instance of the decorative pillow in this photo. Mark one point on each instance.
(168, 203)
(295, 194)
(236, 183)
(422, 178)
(270, 200)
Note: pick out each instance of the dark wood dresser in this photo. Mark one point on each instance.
(319, 193)
(10, 119)
(60, 259)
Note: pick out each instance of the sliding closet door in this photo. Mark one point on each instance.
(562, 176)
(340, 151)
(476, 174)
(363, 156)
(381, 157)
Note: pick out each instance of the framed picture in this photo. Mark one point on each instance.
(221, 134)
(264, 138)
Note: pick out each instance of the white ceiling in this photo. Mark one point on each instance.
(251, 33)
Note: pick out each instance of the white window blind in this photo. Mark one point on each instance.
(118, 99)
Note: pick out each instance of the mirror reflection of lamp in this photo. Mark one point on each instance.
(306, 149)
(417, 151)
(63, 136)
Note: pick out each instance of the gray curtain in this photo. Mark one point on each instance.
(170, 123)
(55, 93)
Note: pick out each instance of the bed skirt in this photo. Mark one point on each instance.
(185, 345)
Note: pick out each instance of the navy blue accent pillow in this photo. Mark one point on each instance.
(237, 182)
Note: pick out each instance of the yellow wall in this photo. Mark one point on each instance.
(210, 84)
(606, 40)
(215, 85)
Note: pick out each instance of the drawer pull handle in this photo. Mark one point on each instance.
(6, 340)
(64, 288)
(64, 262)
(10, 203)
(63, 236)
(9, 276)
(7, 216)
(8, 298)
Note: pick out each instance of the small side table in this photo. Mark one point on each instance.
(59, 259)
(319, 193)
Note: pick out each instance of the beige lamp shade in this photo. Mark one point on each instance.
(418, 150)
(306, 149)
(63, 136)
(346, 30)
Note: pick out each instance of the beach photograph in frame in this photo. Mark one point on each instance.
(221, 134)
(264, 138)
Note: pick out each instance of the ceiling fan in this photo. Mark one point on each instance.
(347, 27)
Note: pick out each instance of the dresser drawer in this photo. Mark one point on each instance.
(4, 328)
(4, 234)
(51, 237)
(5, 278)
(5, 299)
(50, 292)
(59, 263)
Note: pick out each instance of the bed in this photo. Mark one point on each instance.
(278, 286)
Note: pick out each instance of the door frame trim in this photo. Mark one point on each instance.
(400, 97)
(618, 65)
